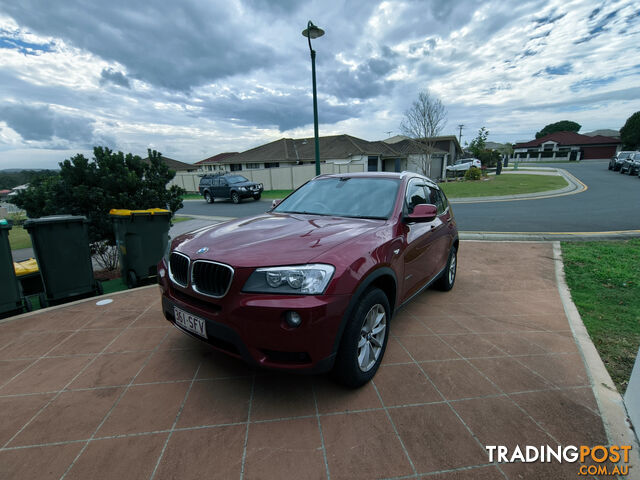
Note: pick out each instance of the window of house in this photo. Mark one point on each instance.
(235, 167)
(372, 164)
(253, 165)
(271, 164)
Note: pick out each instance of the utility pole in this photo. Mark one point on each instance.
(460, 126)
(389, 132)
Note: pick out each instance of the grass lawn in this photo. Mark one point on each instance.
(604, 280)
(192, 196)
(19, 238)
(275, 194)
(180, 219)
(510, 184)
(115, 285)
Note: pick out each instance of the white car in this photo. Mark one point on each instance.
(464, 164)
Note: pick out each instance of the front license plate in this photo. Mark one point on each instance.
(190, 322)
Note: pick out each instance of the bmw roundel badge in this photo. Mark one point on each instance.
(203, 250)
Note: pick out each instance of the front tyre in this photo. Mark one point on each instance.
(448, 277)
(257, 197)
(364, 340)
(235, 198)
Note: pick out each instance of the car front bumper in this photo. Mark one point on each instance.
(253, 326)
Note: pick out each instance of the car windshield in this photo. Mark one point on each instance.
(357, 197)
(236, 179)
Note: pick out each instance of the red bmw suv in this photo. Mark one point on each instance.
(312, 284)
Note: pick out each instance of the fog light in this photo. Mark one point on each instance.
(293, 319)
(161, 272)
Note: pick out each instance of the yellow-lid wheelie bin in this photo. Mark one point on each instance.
(142, 237)
(11, 300)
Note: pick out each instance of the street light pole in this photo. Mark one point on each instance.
(314, 32)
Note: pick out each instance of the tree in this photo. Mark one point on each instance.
(562, 126)
(478, 147)
(93, 187)
(423, 121)
(630, 133)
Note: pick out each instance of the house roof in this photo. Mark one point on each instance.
(606, 132)
(303, 149)
(175, 165)
(569, 138)
(410, 146)
(216, 158)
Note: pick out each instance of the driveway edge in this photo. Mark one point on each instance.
(610, 403)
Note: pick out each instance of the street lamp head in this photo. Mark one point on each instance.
(312, 31)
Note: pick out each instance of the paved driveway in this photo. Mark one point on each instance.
(93, 392)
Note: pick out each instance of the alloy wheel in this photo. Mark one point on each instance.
(372, 336)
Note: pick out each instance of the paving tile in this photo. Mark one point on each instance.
(46, 375)
(363, 445)
(552, 342)
(285, 449)
(509, 375)
(395, 353)
(565, 370)
(471, 345)
(444, 325)
(15, 412)
(136, 339)
(32, 345)
(405, 324)
(151, 318)
(457, 379)
(333, 398)
(118, 319)
(478, 324)
(282, 396)
(220, 365)
(11, 368)
(178, 340)
(427, 348)
(145, 408)
(404, 385)
(42, 463)
(564, 417)
(215, 402)
(183, 459)
(433, 425)
(111, 369)
(136, 458)
(480, 473)
(498, 421)
(62, 320)
(170, 366)
(71, 416)
(512, 343)
(85, 341)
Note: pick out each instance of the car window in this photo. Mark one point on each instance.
(445, 201)
(236, 179)
(415, 194)
(435, 199)
(223, 182)
(215, 182)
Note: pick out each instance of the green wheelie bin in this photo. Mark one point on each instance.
(61, 246)
(11, 300)
(142, 237)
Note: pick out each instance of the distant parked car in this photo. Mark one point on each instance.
(464, 164)
(631, 164)
(616, 162)
(229, 185)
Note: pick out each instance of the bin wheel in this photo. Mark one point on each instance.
(132, 279)
(99, 288)
(42, 298)
(27, 305)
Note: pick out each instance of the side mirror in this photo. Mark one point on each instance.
(276, 202)
(424, 212)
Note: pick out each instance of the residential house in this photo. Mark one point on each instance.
(567, 145)
(175, 165)
(214, 164)
(445, 150)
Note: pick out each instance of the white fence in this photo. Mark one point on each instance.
(281, 178)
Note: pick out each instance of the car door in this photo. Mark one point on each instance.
(418, 263)
(222, 189)
(443, 228)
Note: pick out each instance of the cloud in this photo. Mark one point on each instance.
(109, 75)
(40, 123)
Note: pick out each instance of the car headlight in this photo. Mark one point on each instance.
(297, 279)
(167, 252)
(243, 189)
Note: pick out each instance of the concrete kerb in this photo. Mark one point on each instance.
(550, 236)
(574, 186)
(610, 403)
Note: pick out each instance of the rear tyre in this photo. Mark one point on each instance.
(99, 288)
(257, 197)
(132, 279)
(610, 167)
(207, 197)
(235, 198)
(364, 340)
(448, 277)
(42, 298)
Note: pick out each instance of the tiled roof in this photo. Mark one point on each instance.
(569, 138)
(216, 158)
(175, 165)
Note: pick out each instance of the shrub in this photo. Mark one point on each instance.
(474, 173)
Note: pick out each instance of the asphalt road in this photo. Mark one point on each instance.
(611, 203)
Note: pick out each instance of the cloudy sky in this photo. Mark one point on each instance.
(194, 78)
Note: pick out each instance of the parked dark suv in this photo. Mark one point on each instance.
(312, 284)
(229, 185)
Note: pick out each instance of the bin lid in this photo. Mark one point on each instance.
(122, 212)
(25, 267)
(5, 224)
(55, 219)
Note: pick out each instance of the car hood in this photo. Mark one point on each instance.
(272, 239)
